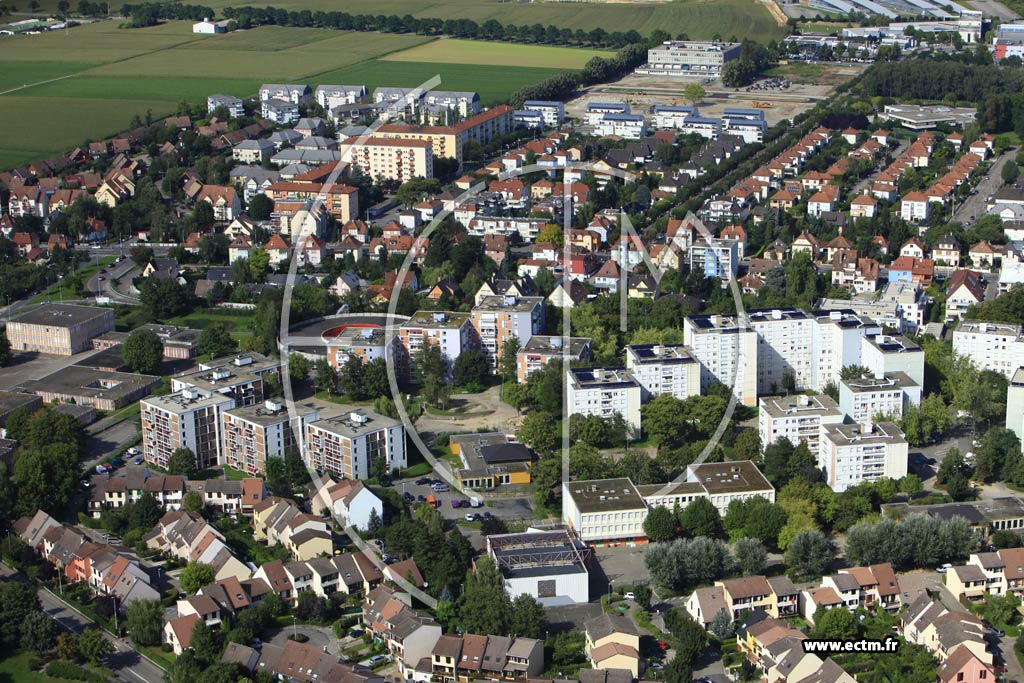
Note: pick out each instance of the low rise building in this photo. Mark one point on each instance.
(59, 329)
(605, 511)
(490, 460)
(85, 386)
(549, 566)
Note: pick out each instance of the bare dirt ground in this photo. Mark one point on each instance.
(644, 92)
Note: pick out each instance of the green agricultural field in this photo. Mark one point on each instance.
(16, 74)
(453, 51)
(493, 83)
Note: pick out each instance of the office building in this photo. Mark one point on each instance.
(347, 445)
(59, 329)
(184, 419)
(500, 318)
(868, 398)
(542, 349)
(796, 417)
(600, 392)
(689, 58)
(851, 454)
(664, 369)
(252, 434)
(990, 346)
(886, 353)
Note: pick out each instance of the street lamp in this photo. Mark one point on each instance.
(295, 632)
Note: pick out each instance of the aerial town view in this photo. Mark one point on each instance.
(512, 341)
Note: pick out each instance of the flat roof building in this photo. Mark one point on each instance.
(252, 434)
(885, 353)
(851, 454)
(795, 417)
(923, 117)
(990, 346)
(490, 460)
(664, 369)
(604, 510)
(542, 349)
(85, 386)
(59, 329)
(865, 399)
(549, 566)
(689, 58)
(1015, 404)
(605, 392)
(347, 445)
(184, 419)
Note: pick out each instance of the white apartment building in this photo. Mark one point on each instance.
(289, 92)
(704, 126)
(552, 113)
(836, 342)
(452, 332)
(1015, 404)
(672, 117)
(749, 124)
(542, 349)
(664, 369)
(596, 391)
(596, 111)
(331, 96)
(864, 399)
(689, 58)
(795, 417)
(726, 349)
(853, 453)
(784, 348)
(604, 510)
(251, 435)
(900, 306)
(886, 353)
(184, 419)
(715, 258)
(234, 105)
(394, 159)
(990, 346)
(500, 318)
(347, 445)
(630, 126)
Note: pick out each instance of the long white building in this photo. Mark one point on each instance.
(990, 346)
(600, 392)
(853, 453)
(664, 369)
(796, 417)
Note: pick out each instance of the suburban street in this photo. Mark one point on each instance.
(973, 207)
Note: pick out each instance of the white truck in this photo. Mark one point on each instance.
(474, 501)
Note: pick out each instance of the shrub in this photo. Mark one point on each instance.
(60, 668)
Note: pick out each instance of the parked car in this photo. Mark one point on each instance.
(421, 499)
(998, 631)
(423, 481)
(470, 517)
(456, 503)
(379, 659)
(944, 568)
(408, 497)
(138, 460)
(257, 644)
(630, 596)
(488, 515)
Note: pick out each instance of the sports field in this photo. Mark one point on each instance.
(59, 89)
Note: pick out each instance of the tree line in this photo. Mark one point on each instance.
(935, 79)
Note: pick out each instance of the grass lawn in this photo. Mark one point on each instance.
(237, 321)
(231, 474)
(162, 659)
(15, 669)
(54, 291)
(454, 51)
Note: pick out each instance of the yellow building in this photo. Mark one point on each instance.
(490, 460)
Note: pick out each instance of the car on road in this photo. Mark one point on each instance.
(100, 469)
(656, 665)
(101, 278)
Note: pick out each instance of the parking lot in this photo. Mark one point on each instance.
(507, 509)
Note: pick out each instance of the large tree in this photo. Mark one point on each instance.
(485, 607)
(660, 525)
(215, 341)
(809, 555)
(701, 518)
(143, 352)
(182, 461)
(195, 575)
(46, 477)
(144, 621)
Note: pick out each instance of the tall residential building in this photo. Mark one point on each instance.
(726, 348)
(990, 346)
(184, 419)
(251, 435)
(1015, 404)
(244, 387)
(542, 349)
(664, 369)
(797, 418)
(885, 353)
(853, 453)
(452, 332)
(784, 348)
(600, 392)
(500, 318)
(394, 158)
(866, 398)
(836, 339)
(348, 444)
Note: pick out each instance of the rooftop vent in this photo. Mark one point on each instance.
(243, 360)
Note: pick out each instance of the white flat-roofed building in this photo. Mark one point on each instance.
(689, 58)
(784, 348)
(853, 453)
(748, 124)
(867, 398)
(900, 306)
(229, 102)
(922, 116)
(664, 369)
(604, 510)
(596, 110)
(726, 349)
(331, 96)
(672, 117)
(725, 482)
(184, 419)
(348, 444)
(796, 417)
(632, 126)
(251, 435)
(836, 343)
(542, 349)
(885, 353)
(604, 392)
(527, 118)
(704, 126)
(452, 332)
(1015, 404)
(553, 112)
(549, 566)
(990, 346)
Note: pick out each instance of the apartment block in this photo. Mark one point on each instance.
(397, 160)
(452, 332)
(854, 453)
(500, 318)
(715, 258)
(866, 398)
(796, 417)
(990, 346)
(664, 369)
(784, 348)
(253, 434)
(726, 348)
(348, 444)
(601, 392)
(885, 353)
(542, 349)
(836, 339)
(59, 329)
(1015, 404)
(552, 112)
(183, 419)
